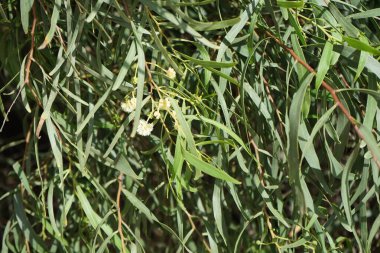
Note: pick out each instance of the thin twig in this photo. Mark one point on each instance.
(26, 81)
(30, 57)
(256, 149)
(327, 87)
(120, 219)
(278, 113)
(126, 8)
(150, 79)
(344, 81)
(27, 71)
(27, 140)
(194, 228)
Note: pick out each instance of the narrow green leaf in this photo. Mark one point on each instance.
(345, 188)
(95, 10)
(294, 122)
(374, 94)
(94, 219)
(206, 26)
(224, 128)
(347, 26)
(366, 14)
(224, 76)
(294, 22)
(295, 244)
(25, 226)
(25, 7)
(290, 4)
(123, 165)
(53, 24)
(371, 143)
(374, 229)
(91, 114)
(210, 64)
(361, 45)
(218, 210)
(324, 64)
(301, 70)
(125, 67)
(24, 180)
(139, 205)
(207, 168)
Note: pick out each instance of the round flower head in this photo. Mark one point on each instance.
(157, 114)
(124, 106)
(144, 128)
(164, 104)
(171, 73)
(129, 105)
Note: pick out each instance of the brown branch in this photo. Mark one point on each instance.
(120, 219)
(256, 149)
(278, 113)
(194, 228)
(27, 140)
(327, 87)
(26, 81)
(27, 71)
(126, 8)
(30, 57)
(153, 85)
(344, 81)
(262, 182)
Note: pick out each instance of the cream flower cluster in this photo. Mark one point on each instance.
(157, 114)
(144, 128)
(164, 104)
(171, 73)
(129, 105)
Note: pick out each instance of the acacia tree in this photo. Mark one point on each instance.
(190, 126)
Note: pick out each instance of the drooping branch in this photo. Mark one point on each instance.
(329, 89)
(27, 71)
(30, 56)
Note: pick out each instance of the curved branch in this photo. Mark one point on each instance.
(330, 89)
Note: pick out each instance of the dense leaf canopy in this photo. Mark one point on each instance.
(190, 125)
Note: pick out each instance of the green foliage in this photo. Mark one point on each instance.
(190, 126)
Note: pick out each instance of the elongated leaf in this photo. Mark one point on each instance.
(35, 241)
(210, 64)
(366, 14)
(324, 64)
(206, 26)
(358, 44)
(294, 121)
(53, 24)
(371, 142)
(25, 7)
(207, 168)
(125, 67)
(290, 4)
